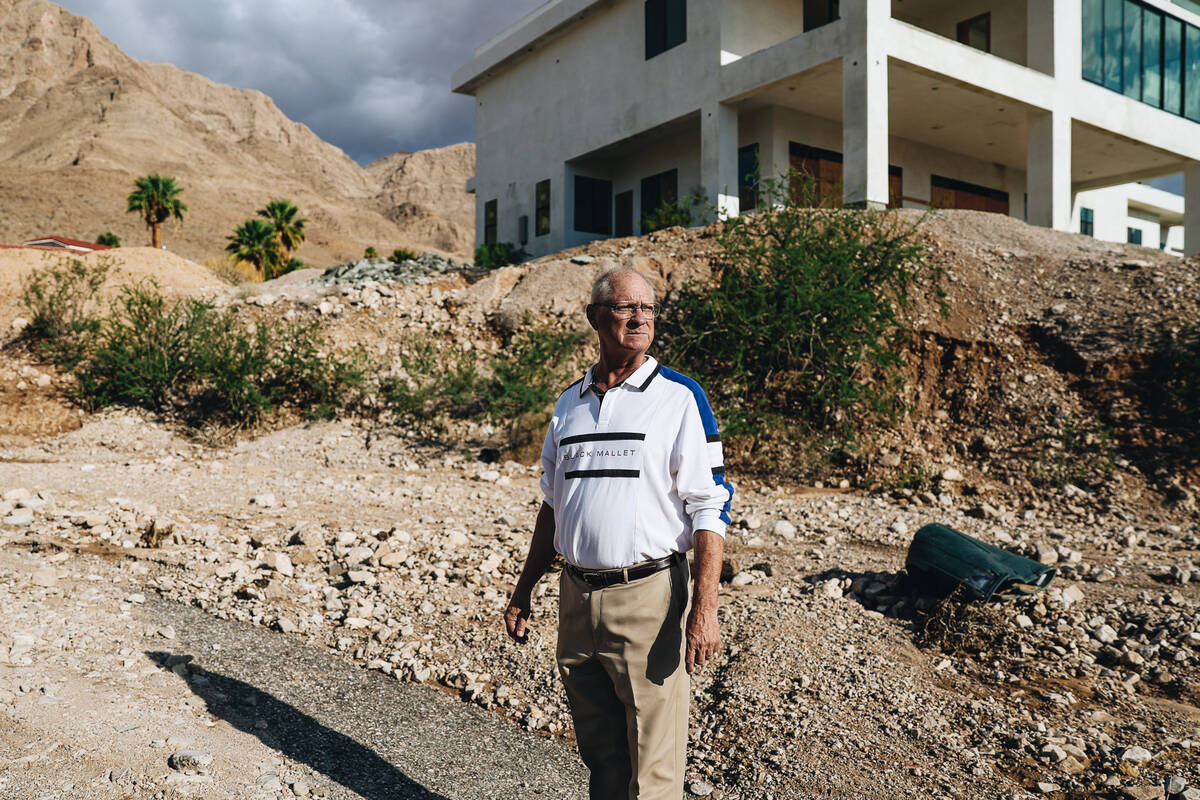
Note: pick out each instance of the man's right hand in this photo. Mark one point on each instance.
(516, 618)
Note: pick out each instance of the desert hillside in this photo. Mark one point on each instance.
(79, 120)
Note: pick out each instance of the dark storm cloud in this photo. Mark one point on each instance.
(371, 76)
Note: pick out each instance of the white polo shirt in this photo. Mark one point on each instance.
(633, 473)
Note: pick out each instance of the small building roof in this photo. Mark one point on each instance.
(63, 242)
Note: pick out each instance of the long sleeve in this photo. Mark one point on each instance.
(699, 468)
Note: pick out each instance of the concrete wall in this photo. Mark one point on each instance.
(1009, 31)
(748, 26)
(1112, 216)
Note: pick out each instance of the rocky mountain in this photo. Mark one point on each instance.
(79, 119)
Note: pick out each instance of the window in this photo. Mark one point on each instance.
(820, 12)
(541, 208)
(977, 32)
(593, 205)
(748, 177)
(658, 191)
(489, 222)
(1191, 76)
(1143, 53)
(624, 202)
(950, 193)
(666, 25)
(1087, 219)
(1133, 235)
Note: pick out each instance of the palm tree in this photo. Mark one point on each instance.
(254, 241)
(282, 214)
(157, 200)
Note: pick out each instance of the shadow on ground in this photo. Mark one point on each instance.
(288, 730)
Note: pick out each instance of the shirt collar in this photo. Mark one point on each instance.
(640, 380)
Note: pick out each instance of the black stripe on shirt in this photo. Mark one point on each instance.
(602, 437)
(712, 437)
(646, 384)
(603, 473)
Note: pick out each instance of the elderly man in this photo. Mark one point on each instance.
(632, 480)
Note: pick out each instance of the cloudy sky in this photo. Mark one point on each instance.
(371, 76)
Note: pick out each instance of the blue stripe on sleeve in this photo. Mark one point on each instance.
(710, 430)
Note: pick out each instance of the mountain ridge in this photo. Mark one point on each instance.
(78, 114)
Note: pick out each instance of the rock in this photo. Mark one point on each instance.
(830, 588)
(1072, 594)
(1142, 792)
(19, 324)
(300, 789)
(281, 563)
(582, 259)
(1024, 622)
(362, 576)
(741, 579)
(1190, 793)
(1046, 554)
(185, 760)
(700, 788)
(31, 503)
(784, 530)
(285, 625)
(1047, 787)
(900, 527)
(1176, 784)
(890, 460)
(1136, 755)
(488, 476)
(19, 518)
(45, 577)
(1105, 634)
(16, 494)
(392, 559)
(264, 500)
(167, 632)
(951, 475)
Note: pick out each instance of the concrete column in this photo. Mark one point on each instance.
(719, 156)
(1048, 169)
(865, 103)
(1191, 210)
(1052, 37)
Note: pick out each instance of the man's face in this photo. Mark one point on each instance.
(622, 338)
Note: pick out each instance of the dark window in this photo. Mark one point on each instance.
(1133, 235)
(523, 229)
(541, 208)
(1152, 22)
(593, 205)
(820, 12)
(1113, 21)
(1093, 40)
(748, 177)
(624, 213)
(666, 25)
(950, 193)
(1087, 221)
(1191, 78)
(489, 222)
(977, 32)
(658, 191)
(895, 186)
(1143, 53)
(1131, 69)
(1172, 65)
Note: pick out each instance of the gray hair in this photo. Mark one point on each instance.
(602, 287)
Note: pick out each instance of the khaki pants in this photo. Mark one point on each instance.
(620, 654)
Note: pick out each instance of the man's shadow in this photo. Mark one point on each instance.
(295, 734)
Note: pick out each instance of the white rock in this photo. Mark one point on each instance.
(784, 530)
(830, 588)
(281, 563)
(1072, 594)
(20, 324)
(900, 527)
(32, 503)
(362, 576)
(45, 577)
(16, 494)
(1105, 634)
(951, 474)
(265, 500)
(741, 579)
(1136, 755)
(325, 308)
(19, 518)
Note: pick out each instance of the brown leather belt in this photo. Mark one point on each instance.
(600, 578)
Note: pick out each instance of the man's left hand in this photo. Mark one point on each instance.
(703, 638)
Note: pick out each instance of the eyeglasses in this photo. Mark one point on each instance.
(627, 310)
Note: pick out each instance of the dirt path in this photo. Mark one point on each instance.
(102, 685)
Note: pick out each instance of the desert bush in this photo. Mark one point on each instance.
(1173, 377)
(184, 356)
(231, 270)
(799, 336)
(108, 238)
(500, 254)
(370, 252)
(402, 254)
(61, 301)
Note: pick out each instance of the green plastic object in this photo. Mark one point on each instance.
(942, 558)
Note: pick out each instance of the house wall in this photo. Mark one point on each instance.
(1113, 217)
(1009, 28)
(748, 26)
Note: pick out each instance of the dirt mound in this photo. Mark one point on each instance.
(79, 120)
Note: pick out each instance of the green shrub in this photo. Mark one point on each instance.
(500, 254)
(680, 212)
(108, 238)
(61, 303)
(1173, 381)
(370, 252)
(183, 356)
(402, 254)
(798, 336)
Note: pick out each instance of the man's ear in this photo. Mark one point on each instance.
(590, 312)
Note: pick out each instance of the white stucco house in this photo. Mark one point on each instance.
(1133, 213)
(590, 113)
